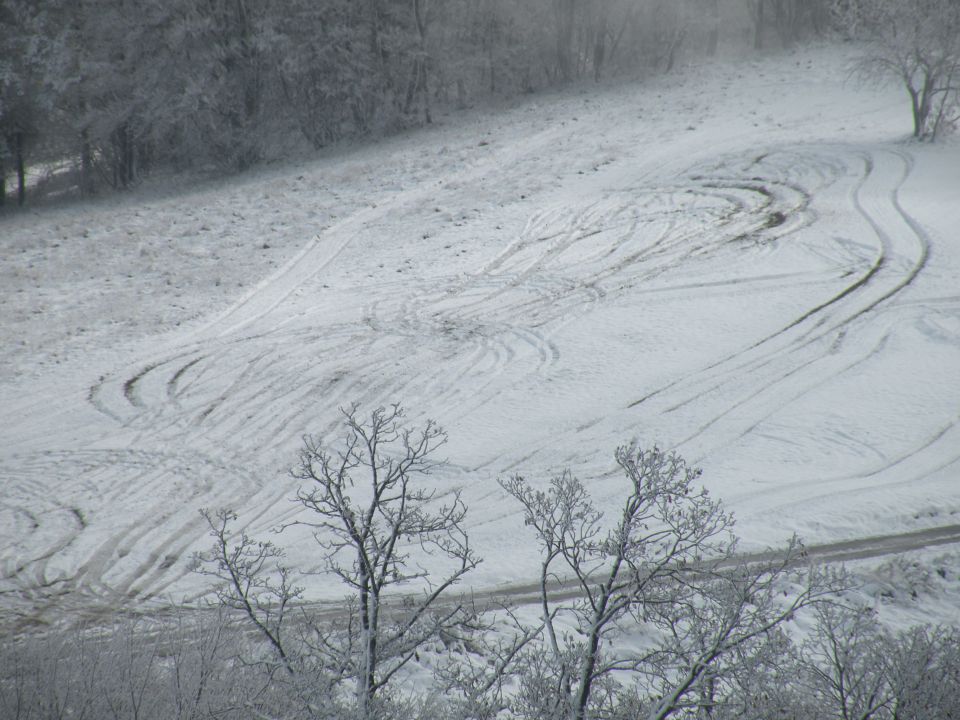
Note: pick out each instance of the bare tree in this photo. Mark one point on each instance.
(757, 9)
(617, 570)
(843, 660)
(668, 564)
(725, 624)
(375, 525)
(917, 43)
(763, 685)
(923, 668)
(852, 667)
(253, 578)
(474, 678)
(367, 510)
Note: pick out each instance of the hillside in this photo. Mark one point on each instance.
(746, 262)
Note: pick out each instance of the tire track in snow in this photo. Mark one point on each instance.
(630, 256)
(808, 364)
(817, 334)
(519, 270)
(732, 368)
(721, 364)
(577, 227)
(739, 369)
(140, 552)
(942, 446)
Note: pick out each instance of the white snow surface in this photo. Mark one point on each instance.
(747, 262)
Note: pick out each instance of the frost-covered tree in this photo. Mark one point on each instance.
(666, 569)
(844, 663)
(368, 508)
(851, 666)
(22, 109)
(374, 523)
(922, 665)
(917, 43)
(327, 78)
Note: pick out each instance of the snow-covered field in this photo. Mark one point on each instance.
(746, 262)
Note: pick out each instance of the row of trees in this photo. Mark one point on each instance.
(119, 86)
(198, 666)
(648, 614)
(115, 87)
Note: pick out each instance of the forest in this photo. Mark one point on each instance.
(102, 92)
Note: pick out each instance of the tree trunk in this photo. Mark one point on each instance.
(369, 612)
(411, 86)
(675, 44)
(565, 11)
(133, 171)
(87, 186)
(600, 46)
(918, 103)
(586, 670)
(709, 701)
(941, 112)
(129, 160)
(758, 30)
(21, 171)
(817, 19)
(713, 38)
(596, 628)
(926, 103)
(419, 16)
(376, 45)
(427, 118)
(787, 21)
(119, 175)
(493, 74)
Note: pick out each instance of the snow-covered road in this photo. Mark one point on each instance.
(774, 292)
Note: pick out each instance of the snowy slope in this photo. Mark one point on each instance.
(746, 262)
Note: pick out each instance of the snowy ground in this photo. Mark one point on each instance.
(746, 262)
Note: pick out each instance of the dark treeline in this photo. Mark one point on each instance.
(113, 88)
